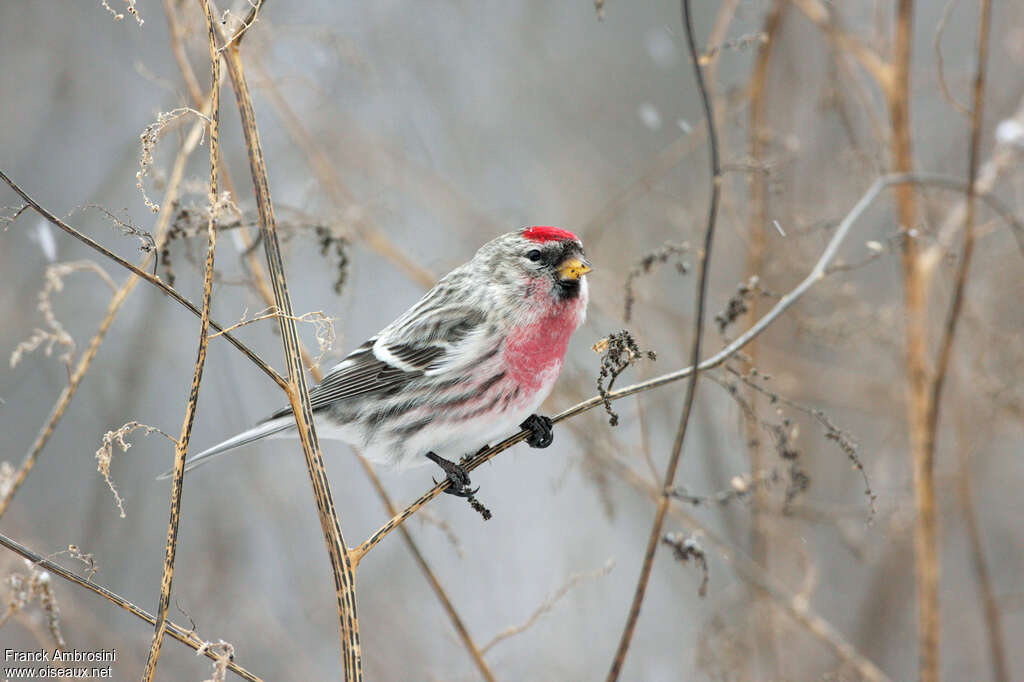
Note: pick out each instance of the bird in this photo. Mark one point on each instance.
(469, 362)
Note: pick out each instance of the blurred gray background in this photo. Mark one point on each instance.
(444, 124)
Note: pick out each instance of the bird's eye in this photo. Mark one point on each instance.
(534, 255)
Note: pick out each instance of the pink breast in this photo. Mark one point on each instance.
(535, 351)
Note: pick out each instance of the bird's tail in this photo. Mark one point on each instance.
(257, 432)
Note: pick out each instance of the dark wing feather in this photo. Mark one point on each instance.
(362, 373)
(429, 338)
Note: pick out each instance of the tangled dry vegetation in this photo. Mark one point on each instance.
(825, 360)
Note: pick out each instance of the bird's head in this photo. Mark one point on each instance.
(541, 253)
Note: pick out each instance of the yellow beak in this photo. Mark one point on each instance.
(573, 268)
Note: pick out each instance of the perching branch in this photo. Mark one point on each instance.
(817, 273)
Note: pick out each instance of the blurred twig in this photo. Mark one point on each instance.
(994, 626)
(897, 93)
(947, 11)
(819, 13)
(549, 603)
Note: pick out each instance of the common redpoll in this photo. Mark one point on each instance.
(467, 364)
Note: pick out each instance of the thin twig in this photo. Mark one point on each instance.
(999, 665)
(871, 61)
(186, 637)
(947, 11)
(181, 450)
(691, 386)
(247, 22)
(991, 605)
(549, 603)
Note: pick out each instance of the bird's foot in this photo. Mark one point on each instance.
(455, 473)
(541, 431)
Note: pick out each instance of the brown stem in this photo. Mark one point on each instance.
(999, 666)
(755, 262)
(181, 450)
(265, 291)
(691, 386)
(916, 356)
(342, 560)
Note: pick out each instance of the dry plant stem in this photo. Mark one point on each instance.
(926, 553)
(389, 505)
(994, 627)
(939, 69)
(142, 274)
(85, 361)
(989, 601)
(817, 273)
(755, 262)
(181, 450)
(691, 386)
(956, 304)
(342, 562)
(186, 637)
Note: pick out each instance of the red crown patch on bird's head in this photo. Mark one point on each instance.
(546, 233)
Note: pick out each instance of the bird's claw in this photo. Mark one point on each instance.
(541, 431)
(456, 474)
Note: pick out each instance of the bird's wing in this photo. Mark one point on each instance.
(430, 341)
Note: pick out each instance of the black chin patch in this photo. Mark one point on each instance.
(567, 288)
